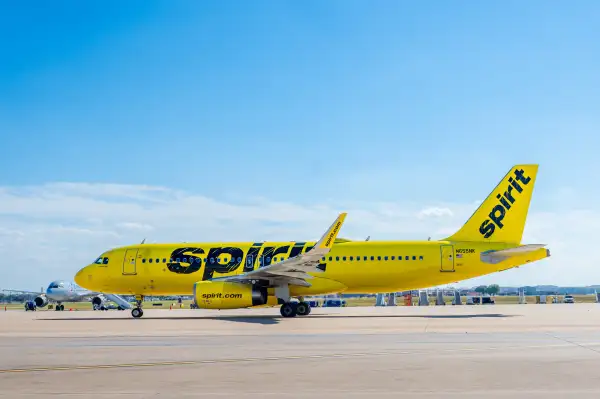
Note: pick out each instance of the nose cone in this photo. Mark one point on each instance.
(84, 277)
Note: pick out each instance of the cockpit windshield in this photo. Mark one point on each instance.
(101, 261)
(56, 284)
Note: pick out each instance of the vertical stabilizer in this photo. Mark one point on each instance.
(501, 217)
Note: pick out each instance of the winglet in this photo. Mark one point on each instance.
(329, 237)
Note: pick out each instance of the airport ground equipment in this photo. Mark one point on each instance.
(380, 300)
(456, 300)
(439, 298)
(423, 298)
(391, 299)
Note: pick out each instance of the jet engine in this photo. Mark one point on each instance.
(41, 301)
(98, 302)
(228, 295)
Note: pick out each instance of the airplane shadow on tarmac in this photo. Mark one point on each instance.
(267, 319)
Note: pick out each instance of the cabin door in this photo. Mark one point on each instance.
(129, 261)
(447, 254)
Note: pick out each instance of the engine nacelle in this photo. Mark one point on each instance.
(41, 301)
(228, 295)
(97, 300)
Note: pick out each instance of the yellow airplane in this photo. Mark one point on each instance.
(246, 274)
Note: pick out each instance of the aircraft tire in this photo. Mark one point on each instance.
(303, 309)
(137, 313)
(288, 309)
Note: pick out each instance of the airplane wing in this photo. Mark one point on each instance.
(503, 254)
(294, 270)
(119, 300)
(22, 292)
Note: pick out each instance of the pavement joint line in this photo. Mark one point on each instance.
(291, 357)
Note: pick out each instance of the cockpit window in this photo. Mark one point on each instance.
(101, 261)
(56, 284)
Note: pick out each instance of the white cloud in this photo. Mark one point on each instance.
(434, 212)
(50, 231)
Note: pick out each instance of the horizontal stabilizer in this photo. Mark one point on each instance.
(503, 254)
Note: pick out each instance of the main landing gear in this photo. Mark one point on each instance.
(293, 309)
(59, 307)
(137, 312)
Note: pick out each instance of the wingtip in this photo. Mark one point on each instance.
(330, 235)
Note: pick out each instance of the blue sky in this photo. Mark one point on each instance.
(314, 104)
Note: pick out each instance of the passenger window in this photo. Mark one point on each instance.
(337, 258)
(150, 260)
(357, 258)
(178, 260)
(407, 258)
(239, 260)
(420, 258)
(393, 257)
(268, 259)
(385, 258)
(323, 258)
(330, 258)
(400, 257)
(144, 260)
(365, 258)
(157, 260)
(372, 258)
(219, 260)
(184, 260)
(212, 260)
(414, 257)
(198, 260)
(351, 258)
(164, 260)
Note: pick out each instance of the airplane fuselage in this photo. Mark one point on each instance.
(350, 266)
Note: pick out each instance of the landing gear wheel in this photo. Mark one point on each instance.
(288, 309)
(137, 313)
(303, 309)
(62, 307)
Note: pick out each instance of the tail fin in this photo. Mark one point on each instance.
(501, 217)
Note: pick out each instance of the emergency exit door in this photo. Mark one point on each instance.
(447, 255)
(129, 263)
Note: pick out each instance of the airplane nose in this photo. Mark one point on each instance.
(82, 277)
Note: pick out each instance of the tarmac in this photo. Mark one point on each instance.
(491, 351)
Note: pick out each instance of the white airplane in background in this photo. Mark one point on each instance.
(63, 291)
